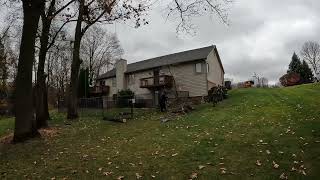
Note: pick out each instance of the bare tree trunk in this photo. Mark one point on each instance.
(42, 114)
(75, 67)
(25, 127)
(42, 110)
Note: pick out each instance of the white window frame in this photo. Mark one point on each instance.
(131, 79)
(197, 66)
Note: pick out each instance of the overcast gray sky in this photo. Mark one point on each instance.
(261, 37)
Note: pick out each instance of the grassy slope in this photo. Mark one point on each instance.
(229, 133)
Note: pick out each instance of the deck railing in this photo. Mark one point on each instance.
(160, 81)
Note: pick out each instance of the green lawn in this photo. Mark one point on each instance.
(222, 142)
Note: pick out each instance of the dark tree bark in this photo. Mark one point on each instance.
(75, 67)
(25, 126)
(42, 114)
(42, 110)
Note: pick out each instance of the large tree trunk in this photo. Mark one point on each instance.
(24, 122)
(42, 110)
(75, 67)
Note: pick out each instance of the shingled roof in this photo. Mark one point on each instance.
(176, 58)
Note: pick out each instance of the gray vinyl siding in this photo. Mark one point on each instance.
(215, 74)
(135, 86)
(188, 80)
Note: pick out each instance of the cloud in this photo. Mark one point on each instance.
(261, 37)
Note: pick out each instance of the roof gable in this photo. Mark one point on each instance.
(176, 58)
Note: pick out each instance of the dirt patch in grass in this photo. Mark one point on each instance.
(46, 133)
(6, 139)
(49, 132)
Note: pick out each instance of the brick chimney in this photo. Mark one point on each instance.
(121, 68)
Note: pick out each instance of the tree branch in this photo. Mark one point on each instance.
(56, 34)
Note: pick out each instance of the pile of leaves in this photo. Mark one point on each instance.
(180, 107)
(46, 133)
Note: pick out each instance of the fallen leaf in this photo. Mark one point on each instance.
(223, 170)
(120, 177)
(293, 169)
(138, 176)
(107, 173)
(194, 175)
(132, 164)
(275, 165)
(201, 167)
(268, 152)
(303, 172)
(283, 176)
(174, 154)
(258, 163)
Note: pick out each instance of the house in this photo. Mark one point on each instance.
(248, 84)
(191, 73)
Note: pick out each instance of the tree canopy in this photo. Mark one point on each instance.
(301, 68)
(295, 64)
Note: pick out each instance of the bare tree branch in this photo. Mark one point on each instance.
(311, 54)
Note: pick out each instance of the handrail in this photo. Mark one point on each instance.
(151, 77)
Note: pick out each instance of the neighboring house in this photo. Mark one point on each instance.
(248, 84)
(192, 73)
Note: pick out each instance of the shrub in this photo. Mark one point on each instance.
(217, 93)
(125, 94)
(123, 98)
(290, 79)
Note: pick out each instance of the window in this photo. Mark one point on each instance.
(207, 67)
(131, 79)
(114, 82)
(198, 67)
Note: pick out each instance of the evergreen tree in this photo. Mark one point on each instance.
(295, 64)
(306, 73)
